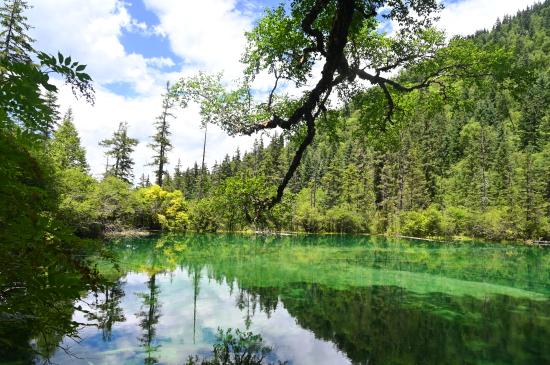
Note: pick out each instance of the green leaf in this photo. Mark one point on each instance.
(50, 87)
(68, 61)
(80, 68)
(60, 57)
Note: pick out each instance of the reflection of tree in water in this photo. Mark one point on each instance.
(195, 272)
(381, 324)
(388, 325)
(247, 301)
(35, 317)
(149, 314)
(107, 309)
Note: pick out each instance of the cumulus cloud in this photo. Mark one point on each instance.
(90, 31)
(465, 17)
(207, 35)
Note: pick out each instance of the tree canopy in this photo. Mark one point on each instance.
(323, 47)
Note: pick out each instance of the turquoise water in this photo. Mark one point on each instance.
(319, 300)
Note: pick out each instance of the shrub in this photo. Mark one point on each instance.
(161, 208)
(113, 202)
(309, 218)
(203, 217)
(427, 222)
(457, 221)
(494, 224)
(343, 219)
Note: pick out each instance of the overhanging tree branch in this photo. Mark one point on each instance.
(343, 37)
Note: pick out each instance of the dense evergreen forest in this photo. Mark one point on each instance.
(472, 162)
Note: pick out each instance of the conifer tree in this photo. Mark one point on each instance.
(225, 168)
(161, 140)
(15, 43)
(178, 181)
(120, 148)
(66, 149)
(50, 99)
(236, 162)
(142, 181)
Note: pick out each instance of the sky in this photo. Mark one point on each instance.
(133, 47)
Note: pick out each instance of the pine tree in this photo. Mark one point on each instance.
(142, 181)
(65, 148)
(120, 147)
(236, 161)
(161, 140)
(533, 112)
(15, 44)
(178, 181)
(167, 181)
(50, 99)
(202, 180)
(225, 168)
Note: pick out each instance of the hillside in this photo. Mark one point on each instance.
(475, 165)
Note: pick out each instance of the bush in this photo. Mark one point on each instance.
(494, 224)
(113, 202)
(161, 208)
(343, 219)
(457, 221)
(76, 206)
(203, 217)
(309, 218)
(542, 231)
(424, 223)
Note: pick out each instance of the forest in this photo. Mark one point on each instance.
(472, 162)
(444, 139)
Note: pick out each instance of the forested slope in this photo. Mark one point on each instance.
(469, 158)
(474, 163)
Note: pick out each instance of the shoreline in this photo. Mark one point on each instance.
(140, 233)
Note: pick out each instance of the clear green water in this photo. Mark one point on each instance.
(322, 300)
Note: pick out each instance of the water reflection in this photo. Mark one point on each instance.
(106, 310)
(330, 303)
(149, 317)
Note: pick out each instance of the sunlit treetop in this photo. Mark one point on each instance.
(344, 39)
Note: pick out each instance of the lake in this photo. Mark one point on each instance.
(319, 300)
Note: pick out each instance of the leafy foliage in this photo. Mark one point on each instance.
(239, 348)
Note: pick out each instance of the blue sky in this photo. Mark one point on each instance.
(132, 47)
(149, 45)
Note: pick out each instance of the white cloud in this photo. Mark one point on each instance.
(160, 62)
(89, 30)
(467, 16)
(207, 34)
